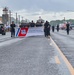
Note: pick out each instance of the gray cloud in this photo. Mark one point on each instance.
(33, 5)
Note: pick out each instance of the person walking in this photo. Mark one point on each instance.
(67, 28)
(58, 28)
(53, 28)
(46, 29)
(12, 29)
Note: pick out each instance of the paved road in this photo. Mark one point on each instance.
(65, 43)
(5, 37)
(31, 56)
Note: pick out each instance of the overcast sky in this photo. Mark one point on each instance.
(34, 8)
(47, 5)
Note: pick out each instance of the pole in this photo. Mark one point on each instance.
(10, 16)
(16, 18)
(19, 19)
(22, 18)
(64, 20)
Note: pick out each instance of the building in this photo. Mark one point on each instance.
(5, 16)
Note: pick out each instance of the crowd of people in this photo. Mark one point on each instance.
(47, 28)
(31, 24)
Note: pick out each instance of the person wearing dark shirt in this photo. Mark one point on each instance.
(53, 28)
(67, 28)
(47, 28)
(12, 29)
(58, 28)
(32, 24)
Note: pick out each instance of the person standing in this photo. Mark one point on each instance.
(53, 28)
(67, 28)
(12, 29)
(58, 28)
(47, 28)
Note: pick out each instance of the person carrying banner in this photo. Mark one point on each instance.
(47, 29)
(32, 24)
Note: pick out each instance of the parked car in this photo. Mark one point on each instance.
(2, 29)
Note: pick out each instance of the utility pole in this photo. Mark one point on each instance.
(19, 19)
(22, 18)
(16, 18)
(64, 20)
(10, 16)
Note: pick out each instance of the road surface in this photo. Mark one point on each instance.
(36, 55)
